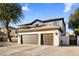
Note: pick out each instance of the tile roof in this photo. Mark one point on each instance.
(43, 28)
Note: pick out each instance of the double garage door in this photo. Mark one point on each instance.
(46, 39)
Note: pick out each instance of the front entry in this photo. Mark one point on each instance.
(47, 39)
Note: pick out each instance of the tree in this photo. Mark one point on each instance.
(74, 22)
(10, 13)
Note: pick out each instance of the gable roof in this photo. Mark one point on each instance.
(43, 21)
(36, 21)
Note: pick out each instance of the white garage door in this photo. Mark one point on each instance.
(30, 38)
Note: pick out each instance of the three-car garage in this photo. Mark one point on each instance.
(40, 36)
(46, 39)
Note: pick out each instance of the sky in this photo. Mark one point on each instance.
(32, 11)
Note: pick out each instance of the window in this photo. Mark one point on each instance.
(56, 23)
(37, 25)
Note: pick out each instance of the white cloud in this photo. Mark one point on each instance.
(25, 7)
(68, 7)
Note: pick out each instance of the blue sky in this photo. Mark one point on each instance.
(32, 11)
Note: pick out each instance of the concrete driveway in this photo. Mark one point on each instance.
(13, 49)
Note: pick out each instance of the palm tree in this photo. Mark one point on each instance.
(10, 13)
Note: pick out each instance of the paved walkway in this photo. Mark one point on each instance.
(13, 49)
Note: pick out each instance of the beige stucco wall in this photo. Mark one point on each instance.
(58, 23)
(56, 37)
(14, 39)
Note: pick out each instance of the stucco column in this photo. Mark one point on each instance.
(39, 39)
(56, 38)
(19, 39)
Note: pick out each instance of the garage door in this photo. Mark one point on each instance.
(47, 39)
(30, 38)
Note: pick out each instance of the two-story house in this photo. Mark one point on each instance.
(3, 37)
(13, 33)
(42, 32)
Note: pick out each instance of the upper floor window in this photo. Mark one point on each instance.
(56, 23)
(37, 25)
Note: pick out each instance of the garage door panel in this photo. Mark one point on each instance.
(30, 38)
(48, 39)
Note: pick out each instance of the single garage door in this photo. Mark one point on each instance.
(47, 39)
(30, 38)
